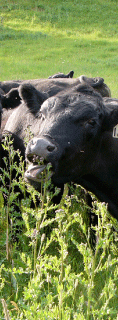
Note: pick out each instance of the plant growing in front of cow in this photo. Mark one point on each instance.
(59, 288)
(11, 187)
(39, 221)
(52, 273)
(100, 270)
(55, 274)
(68, 290)
(11, 223)
(53, 281)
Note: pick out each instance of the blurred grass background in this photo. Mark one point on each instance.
(40, 38)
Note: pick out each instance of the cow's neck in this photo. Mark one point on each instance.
(102, 179)
(91, 186)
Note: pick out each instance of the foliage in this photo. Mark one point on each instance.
(48, 269)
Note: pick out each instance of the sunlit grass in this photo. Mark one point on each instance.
(40, 39)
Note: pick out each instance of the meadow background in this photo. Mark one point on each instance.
(40, 38)
(59, 276)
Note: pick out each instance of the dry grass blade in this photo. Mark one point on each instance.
(6, 311)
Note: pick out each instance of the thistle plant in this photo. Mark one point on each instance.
(51, 271)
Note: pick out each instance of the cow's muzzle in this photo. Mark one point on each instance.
(38, 153)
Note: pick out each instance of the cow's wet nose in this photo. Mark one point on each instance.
(41, 147)
(50, 148)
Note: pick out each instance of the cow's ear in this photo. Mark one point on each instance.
(96, 83)
(88, 90)
(110, 120)
(93, 82)
(32, 97)
(11, 99)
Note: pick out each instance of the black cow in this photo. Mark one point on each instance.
(48, 87)
(3, 118)
(22, 119)
(25, 115)
(71, 105)
(53, 85)
(73, 133)
(11, 99)
(62, 75)
(6, 86)
(28, 115)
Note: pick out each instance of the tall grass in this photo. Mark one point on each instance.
(48, 269)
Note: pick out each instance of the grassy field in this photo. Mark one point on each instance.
(48, 268)
(40, 39)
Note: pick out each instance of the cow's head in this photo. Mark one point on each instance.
(70, 133)
(98, 84)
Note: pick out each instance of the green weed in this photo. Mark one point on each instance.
(48, 269)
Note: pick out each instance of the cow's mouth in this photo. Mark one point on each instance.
(39, 169)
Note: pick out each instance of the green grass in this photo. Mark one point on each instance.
(40, 39)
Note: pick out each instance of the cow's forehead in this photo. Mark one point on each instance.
(48, 104)
(75, 104)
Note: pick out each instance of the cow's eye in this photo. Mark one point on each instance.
(92, 122)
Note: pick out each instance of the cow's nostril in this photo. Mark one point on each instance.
(30, 157)
(50, 148)
(33, 142)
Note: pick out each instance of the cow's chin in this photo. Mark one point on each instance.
(38, 173)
